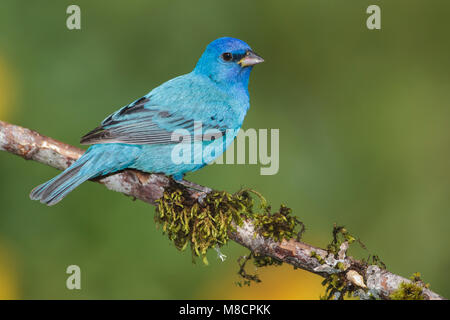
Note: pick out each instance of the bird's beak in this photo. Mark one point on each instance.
(250, 59)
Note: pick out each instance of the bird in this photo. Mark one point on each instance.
(141, 135)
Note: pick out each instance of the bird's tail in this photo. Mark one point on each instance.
(94, 162)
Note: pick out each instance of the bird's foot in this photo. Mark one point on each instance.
(200, 191)
(191, 185)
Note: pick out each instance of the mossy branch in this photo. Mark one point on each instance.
(269, 236)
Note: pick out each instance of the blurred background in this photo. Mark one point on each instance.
(364, 138)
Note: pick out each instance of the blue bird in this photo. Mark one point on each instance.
(214, 96)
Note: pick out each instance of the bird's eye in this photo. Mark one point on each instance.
(227, 56)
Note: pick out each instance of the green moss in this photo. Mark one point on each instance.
(408, 291)
(318, 257)
(246, 278)
(277, 226)
(335, 287)
(207, 225)
(340, 266)
(202, 226)
(264, 261)
(340, 235)
(416, 277)
(336, 284)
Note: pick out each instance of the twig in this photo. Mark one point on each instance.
(377, 281)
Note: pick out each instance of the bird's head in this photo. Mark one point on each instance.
(228, 61)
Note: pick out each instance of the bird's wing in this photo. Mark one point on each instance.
(143, 123)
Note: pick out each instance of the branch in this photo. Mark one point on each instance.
(377, 281)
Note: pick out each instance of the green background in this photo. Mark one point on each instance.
(364, 138)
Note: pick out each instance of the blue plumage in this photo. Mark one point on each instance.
(140, 135)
